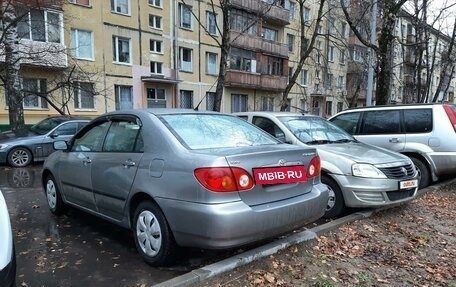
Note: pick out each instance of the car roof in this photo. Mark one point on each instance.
(159, 111)
(392, 106)
(275, 114)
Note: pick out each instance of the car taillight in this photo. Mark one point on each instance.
(314, 167)
(451, 115)
(223, 179)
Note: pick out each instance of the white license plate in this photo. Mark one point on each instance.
(408, 184)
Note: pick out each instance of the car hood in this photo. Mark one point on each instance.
(358, 152)
(10, 137)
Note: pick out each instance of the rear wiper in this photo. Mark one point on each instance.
(317, 142)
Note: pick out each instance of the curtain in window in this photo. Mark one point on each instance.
(38, 25)
(125, 98)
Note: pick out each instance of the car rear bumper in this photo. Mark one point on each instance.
(226, 225)
(370, 192)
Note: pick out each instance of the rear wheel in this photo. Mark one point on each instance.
(153, 237)
(19, 157)
(423, 172)
(336, 203)
(53, 196)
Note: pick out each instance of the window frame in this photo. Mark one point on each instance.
(153, 46)
(208, 70)
(156, 68)
(182, 64)
(117, 94)
(208, 23)
(116, 56)
(76, 48)
(183, 8)
(41, 103)
(114, 7)
(187, 96)
(78, 96)
(154, 19)
(154, 4)
(28, 24)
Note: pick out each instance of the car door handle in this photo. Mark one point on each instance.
(394, 140)
(86, 161)
(128, 163)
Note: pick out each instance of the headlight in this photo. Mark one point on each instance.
(367, 170)
(2, 146)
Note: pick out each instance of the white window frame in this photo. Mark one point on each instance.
(182, 10)
(118, 99)
(210, 14)
(82, 4)
(340, 82)
(211, 69)
(41, 103)
(307, 16)
(290, 42)
(154, 47)
(154, 3)
(292, 11)
(331, 54)
(342, 58)
(77, 96)
(156, 68)
(155, 19)
(242, 102)
(115, 7)
(75, 46)
(28, 18)
(186, 66)
(116, 56)
(304, 77)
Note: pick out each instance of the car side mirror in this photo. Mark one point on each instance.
(60, 145)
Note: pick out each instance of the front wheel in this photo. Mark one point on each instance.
(153, 237)
(336, 203)
(19, 157)
(423, 172)
(53, 196)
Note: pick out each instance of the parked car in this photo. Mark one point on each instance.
(357, 174)
(37, 144)
(424, 132)
(186, 178)
(7, 254)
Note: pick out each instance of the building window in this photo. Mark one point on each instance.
(329, 79)
(120, 6)
(268, 104)
(290, 73)
(81, 2)
(82, 44)
(156, 3)
(344, 30)
(41, 26)
(331, 54)
(243, 22)
(242, 60)
(31, 88)
(156, 68)
(210, 101)
(306, 15)
(340, 106)
(238, 103)
(185, 56)
(304, 77)
(270, 34)
(331, 26)
(156, 46)
(185, 16)
(357, 55)
(156, 98)
(155, 21)
(274, 66)
(292, 11)
(84, 95)
(318, 44)
(342, 57)
(290, 40)
(211, 23)
(211, 63)
(124, 97)
(186, 99)
(328, 108)
(121, 50)
(340, 82)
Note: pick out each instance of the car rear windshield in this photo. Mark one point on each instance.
(202, 131)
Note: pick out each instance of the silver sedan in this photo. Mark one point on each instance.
(185, 178)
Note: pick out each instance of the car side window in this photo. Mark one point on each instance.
(268, 126)
(348, 122)
(123, 136)
(92, 139)
(66, 129)
(381, 122)
(418, 120)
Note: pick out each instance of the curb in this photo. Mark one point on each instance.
(208, 271)
(214, 269)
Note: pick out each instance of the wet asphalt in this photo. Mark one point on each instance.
(77, 249)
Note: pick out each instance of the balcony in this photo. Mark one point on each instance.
(272, 12)
(41, 54)
(256, 43)
(409, 58)
(255, 81)
(411, 39)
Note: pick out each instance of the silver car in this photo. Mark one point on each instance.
(187, 178)
(357, 174)
(37, 144)
(7, 254)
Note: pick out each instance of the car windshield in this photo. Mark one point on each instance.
(315, 130)
(202, 131)
(46, 125)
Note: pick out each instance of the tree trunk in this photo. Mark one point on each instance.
(12, 67)
(224, 55)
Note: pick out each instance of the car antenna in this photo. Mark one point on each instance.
(299, 109)
(197, 106)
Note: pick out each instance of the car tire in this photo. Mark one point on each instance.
(53, 196)
(423, 171)
(153, 237)
(336, 203)
(19, 157)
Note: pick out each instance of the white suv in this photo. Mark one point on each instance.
(7, 255)
(424, 132)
